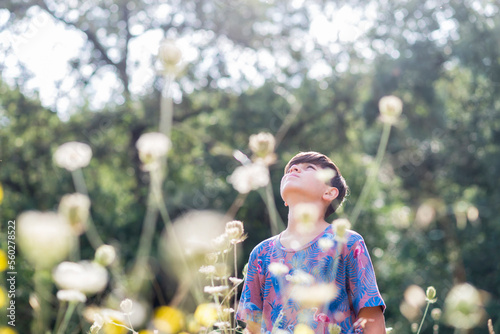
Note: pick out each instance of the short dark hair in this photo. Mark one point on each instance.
(323, 161)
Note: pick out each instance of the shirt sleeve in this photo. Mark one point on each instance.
(251, 302)
(361, 280)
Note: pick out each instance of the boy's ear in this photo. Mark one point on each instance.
(330, 194)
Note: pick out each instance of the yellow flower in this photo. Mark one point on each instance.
(303, 329)
(168, 319)
(3, 297)
(3, 260)
(7, 330)
(114, 328)
(1, 193)
(206, 314)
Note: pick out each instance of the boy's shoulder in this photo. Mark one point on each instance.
(265, 245)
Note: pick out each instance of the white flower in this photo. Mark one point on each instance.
(306, 215)
(325, 175)
(325, 244)
(390, 108)
(73, 155)
(221, 243)
(45, 238)
(85, 276)
(75, 207)
(235, 280)
(216, 290)
(262, 145)
(105, 255)
(300, 277)
(249, 177)
(152, 146)
(340, 226)
(314, 295)
(234, 230)
(169, 54)
(415, 296)
(278, 269)
(126, 306)
(463, 307)
(71, 296)
(98, 323)
(207, 270)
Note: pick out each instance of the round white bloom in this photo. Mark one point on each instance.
(325, 244)
(306, 215)
(45, 238)
(207, 270)
(390, 108)
(415, 296)
(105, 255)
(325, 175)
(464, 307)
(213, 290)
(71, 296)
(262, 145)
(278, 269)
(235, 280)
(314, 295)
(340, 226)
(73, 155)
(234, 230)
(126, 306)
(75, 207)
(152, 146)
(169, 54)
(85, 276)
(249, 177)
(300, 277)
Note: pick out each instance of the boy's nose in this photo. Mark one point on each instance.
(294, 168)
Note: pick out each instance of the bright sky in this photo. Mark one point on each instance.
(45, 48)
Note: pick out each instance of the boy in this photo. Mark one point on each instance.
(270, 301)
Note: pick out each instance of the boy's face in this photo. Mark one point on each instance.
(301, 180)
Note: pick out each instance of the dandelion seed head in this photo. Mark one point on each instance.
(105, 255)
(278, 269)
(415, 296)
(169, 54)
(262, 145)
(152, 146)
(84, 276)
(126, 305)
(306, 215)
(45, 238)
(75, 207)
(390, 108)
(463, 307)
(325, 244)
(249, 177)
(325, 175)
(300, 277)
(341, 226)
(72, 155)
(314, 295)
(71, 296)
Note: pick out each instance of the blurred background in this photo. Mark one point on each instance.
(309, 72)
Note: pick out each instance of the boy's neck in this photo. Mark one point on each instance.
(295, 237)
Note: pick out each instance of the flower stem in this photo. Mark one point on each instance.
(423, 318)
(166, 107)
(276, 223)
(372, 175)
(67, 317)
(91, 232)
